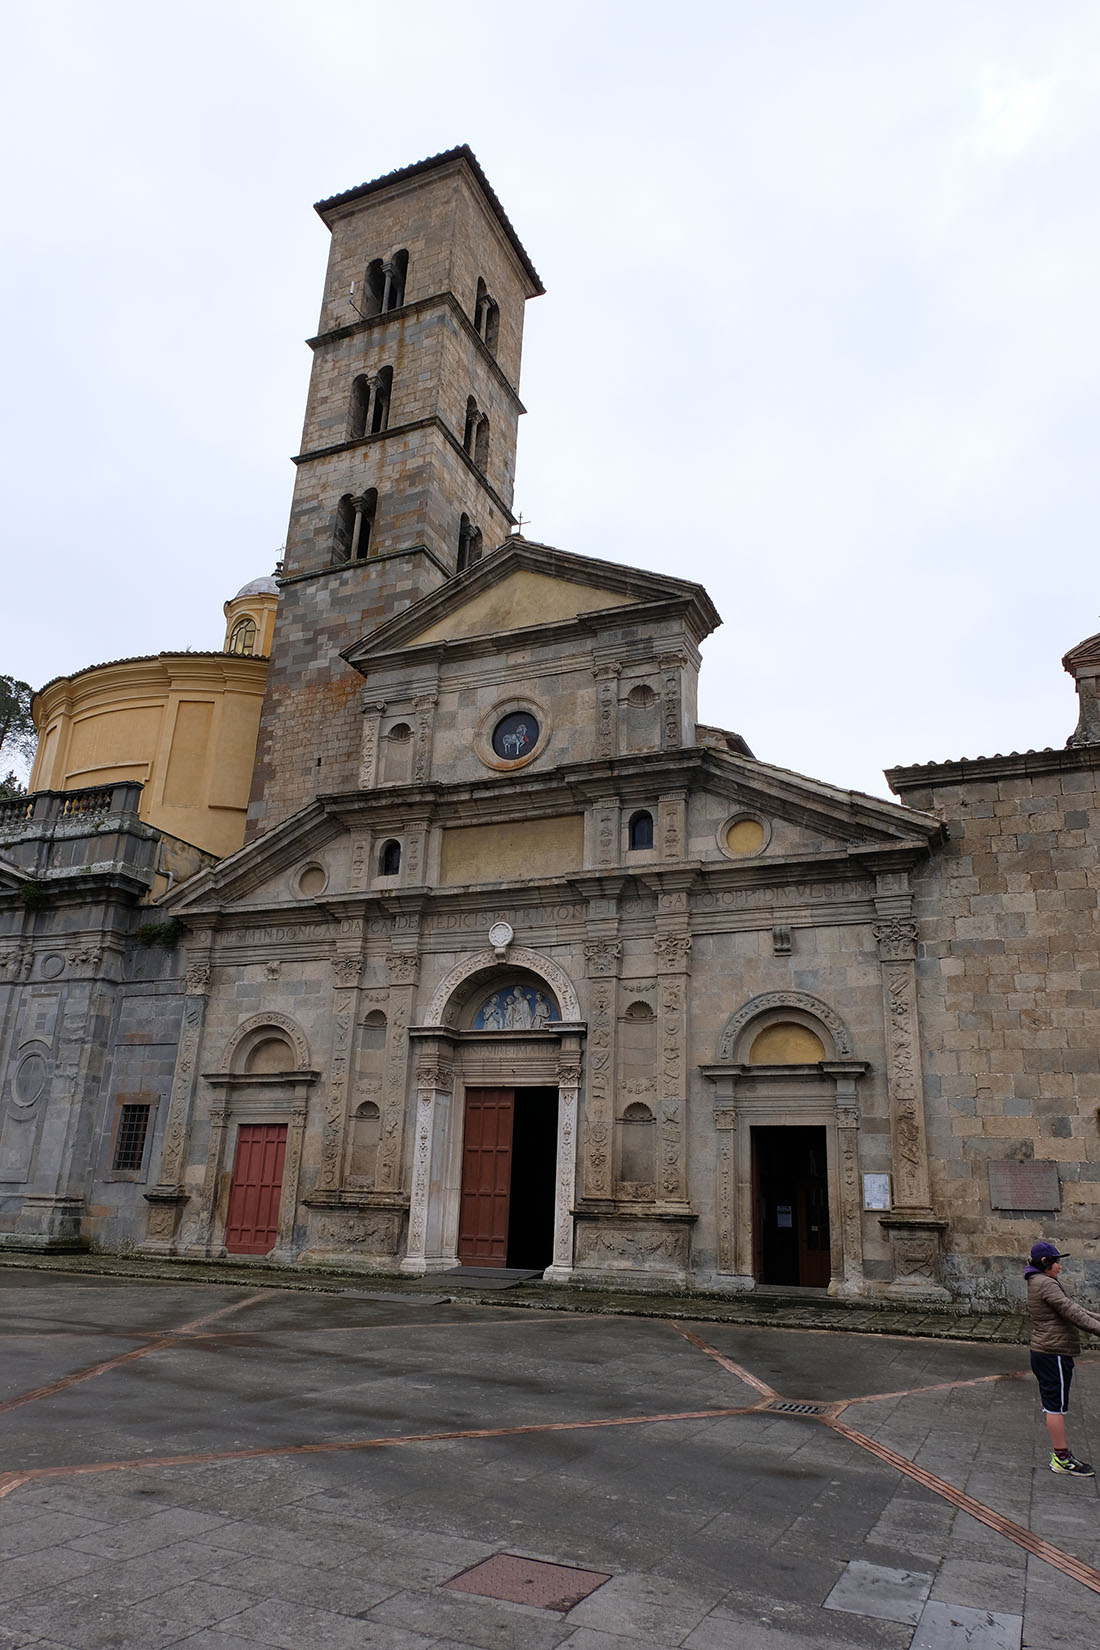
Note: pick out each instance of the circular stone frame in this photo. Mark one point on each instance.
(744, 818)
(311, 880)
(483, 734)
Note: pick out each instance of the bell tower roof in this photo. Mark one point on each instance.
(462, 152)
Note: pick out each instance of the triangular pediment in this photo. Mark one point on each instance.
(804, 817)
(11, 877)
(267, 872)
(1085, 656)
(524, 586)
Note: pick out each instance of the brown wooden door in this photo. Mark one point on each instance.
(486, 1175)
(257, 1188)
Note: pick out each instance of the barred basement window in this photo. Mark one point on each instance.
(133, 1125)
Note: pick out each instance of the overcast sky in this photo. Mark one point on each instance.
(819, 332)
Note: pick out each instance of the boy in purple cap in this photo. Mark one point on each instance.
(1055, 1320)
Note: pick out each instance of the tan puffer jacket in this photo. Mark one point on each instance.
(1055, 1319)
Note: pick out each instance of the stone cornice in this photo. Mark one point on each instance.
(1016, 765)
(447, 300)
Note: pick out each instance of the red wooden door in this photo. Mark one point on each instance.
(486, 1174)
(257, 1188)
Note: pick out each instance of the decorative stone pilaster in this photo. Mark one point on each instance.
(434, 1082)
(285, 1249)
(847, 1146)
(424, 709)
(403, 967)
(673, 965)
(215, 1154)
(912, 1226)
(167, 1198)
(606, 817)
(346, 971)
(414, 857)
(672, 693)
(602, 957)
(672, 825)
(607, 709)
(369, 742)
(565, 1169)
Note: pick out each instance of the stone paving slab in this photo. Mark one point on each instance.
(722, 1525)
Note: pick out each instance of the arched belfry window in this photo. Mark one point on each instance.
(380, 411)
(242, 638)
(481, 443)
(486, 317)
(469, 543)
(374, 287)
(469, 430)
(354, 526)
(357, 412)
(389, 860)
(395, 272)
(369, 411)
(640, 830)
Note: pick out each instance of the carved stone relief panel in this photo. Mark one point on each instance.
(373, 712)
(607, 709)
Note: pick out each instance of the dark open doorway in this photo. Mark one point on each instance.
(791, 1206)
(506, 1211)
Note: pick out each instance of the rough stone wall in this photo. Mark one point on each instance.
(311, 724)
(1009, 974)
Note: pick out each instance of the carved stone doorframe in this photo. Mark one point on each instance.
(282, 1097)
(447, 1063)
(822, 1096)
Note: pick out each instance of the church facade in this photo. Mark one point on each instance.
(521, 965)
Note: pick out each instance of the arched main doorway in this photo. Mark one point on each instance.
(495, 1147)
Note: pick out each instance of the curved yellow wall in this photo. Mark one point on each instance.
(184, 724)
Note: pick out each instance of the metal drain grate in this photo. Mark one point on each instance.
(782, 1407)
(529, 1581)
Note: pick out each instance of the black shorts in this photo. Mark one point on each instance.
(1054, 1372)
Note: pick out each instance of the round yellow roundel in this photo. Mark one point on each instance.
(745, 836)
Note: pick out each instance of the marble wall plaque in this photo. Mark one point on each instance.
(1032, 1185)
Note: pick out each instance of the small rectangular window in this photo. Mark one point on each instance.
(133, 1125)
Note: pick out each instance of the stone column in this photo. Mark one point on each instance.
(434, 1082)
(602, 957)
(673, 968)
(167, 1198)
(565, 1171)
(403, 967)
(914, 1230)
(607, 709)
(370, 738)
(346, 971)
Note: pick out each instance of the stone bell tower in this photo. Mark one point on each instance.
(408, 451)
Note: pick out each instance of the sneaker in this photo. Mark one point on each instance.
(1070, 1463)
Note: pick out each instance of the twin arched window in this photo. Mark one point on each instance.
(469, 543)
(486, 317)
(369, 411)
(384, 285)
(354, 526)
(475, 434)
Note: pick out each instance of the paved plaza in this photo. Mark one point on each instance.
(220, 1467)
